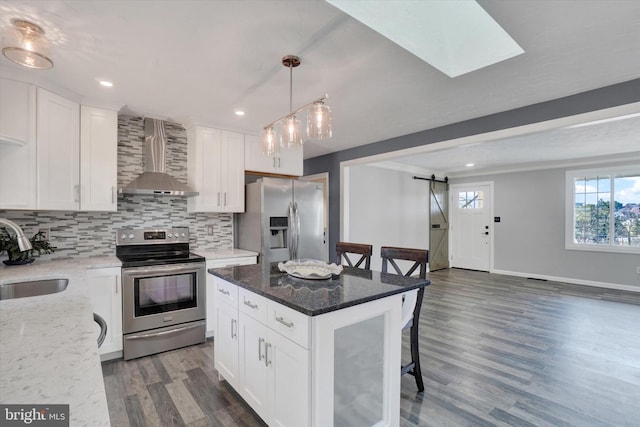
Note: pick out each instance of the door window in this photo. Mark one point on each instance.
(470, 199)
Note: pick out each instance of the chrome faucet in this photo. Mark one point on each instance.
(23, 242)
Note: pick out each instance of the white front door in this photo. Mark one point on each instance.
(471, 209)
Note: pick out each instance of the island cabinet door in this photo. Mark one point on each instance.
(356, 365)
(226, 348)
(253, 365)
(289, 382)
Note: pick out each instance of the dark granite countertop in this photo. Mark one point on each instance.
(313, 297)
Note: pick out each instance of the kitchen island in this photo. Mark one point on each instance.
(312, 352)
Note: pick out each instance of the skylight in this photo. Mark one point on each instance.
(454, 36)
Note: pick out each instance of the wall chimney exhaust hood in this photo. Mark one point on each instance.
(154, 179)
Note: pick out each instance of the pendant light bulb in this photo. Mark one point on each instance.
(269, 145)
(290, 135)
(319, 121)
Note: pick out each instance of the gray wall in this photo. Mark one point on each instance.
(397, 213)
(606, 97)
(530, 237)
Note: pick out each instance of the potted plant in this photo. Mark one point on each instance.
(9, 244)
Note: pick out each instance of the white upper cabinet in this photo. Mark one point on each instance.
(51, 158)
(58, 152)
(232, 171)
(17, 112)
(98, 159)
(288, 161)
(17, 145)
(215, 168)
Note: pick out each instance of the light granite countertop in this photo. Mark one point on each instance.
(48, 349)
(212, 255)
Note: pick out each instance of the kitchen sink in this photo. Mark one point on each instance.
(32, 288)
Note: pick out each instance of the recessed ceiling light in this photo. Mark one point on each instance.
(239, 113)
(469, 165)
(105, 83)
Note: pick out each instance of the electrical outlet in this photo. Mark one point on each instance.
(46, 233)
(210, 230)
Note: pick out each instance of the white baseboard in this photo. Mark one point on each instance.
(571, 280)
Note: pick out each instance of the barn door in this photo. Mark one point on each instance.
(439, 231)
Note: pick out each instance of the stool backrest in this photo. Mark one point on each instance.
(390, 255)
(345, 248)
(412, 300)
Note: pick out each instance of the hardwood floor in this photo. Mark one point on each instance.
(495, 351)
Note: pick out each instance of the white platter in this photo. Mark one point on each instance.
(310, 269)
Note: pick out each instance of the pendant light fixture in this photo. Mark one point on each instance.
(318, 119)
(24, 43)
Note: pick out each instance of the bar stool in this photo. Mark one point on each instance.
(345, 248)
(411, 303)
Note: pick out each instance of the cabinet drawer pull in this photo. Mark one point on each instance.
(218, 198)
(250, 305)
(284, 322)
(233, 334)
(223, 291)
(260, 342)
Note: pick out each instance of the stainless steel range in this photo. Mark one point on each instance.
(163, 291)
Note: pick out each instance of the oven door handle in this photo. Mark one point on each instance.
(163, 269)
(158, 334)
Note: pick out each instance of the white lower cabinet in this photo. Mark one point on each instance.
(106, 301)
(253, 365)
(288, 382)
(226, 348)
(211, 286)
(273, 372)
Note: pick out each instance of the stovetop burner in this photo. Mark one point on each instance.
(147, 247)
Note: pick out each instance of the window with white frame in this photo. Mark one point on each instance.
(603, 209)
(470, 199)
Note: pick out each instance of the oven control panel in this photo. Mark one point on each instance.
(149, 236)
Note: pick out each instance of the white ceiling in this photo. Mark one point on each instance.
(198, 60)
(591, 143)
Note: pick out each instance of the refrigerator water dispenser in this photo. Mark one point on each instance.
(279, 226)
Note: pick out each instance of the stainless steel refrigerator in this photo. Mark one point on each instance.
(282, 220)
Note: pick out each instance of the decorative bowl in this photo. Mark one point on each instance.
(310, 269)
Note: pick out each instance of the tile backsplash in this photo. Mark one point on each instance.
(84, 234)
